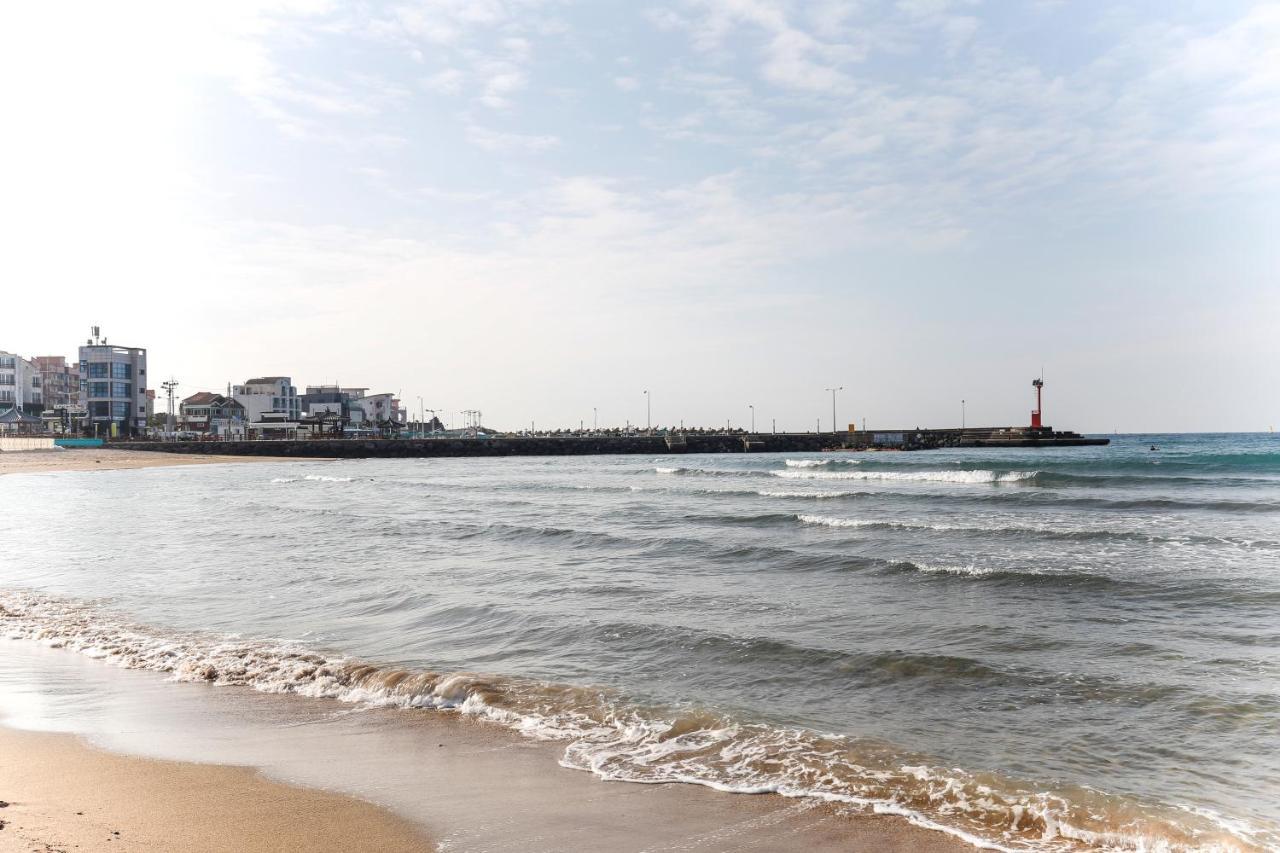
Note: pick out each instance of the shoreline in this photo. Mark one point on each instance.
(62, 793)
(469, 784)
(114, 459)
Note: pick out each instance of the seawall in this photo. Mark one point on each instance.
(505, 446)
(593, 445)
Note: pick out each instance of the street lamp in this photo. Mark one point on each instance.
(962, 414)
(833, 406)
(753, 417)
(595, 419)
(648, 413)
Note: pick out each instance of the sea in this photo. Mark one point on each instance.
(1028, 649)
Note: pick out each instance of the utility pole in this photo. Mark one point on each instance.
(170, 385)
(833, 408)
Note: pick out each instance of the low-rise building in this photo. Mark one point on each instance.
(267, 395)
(326, 399)
(211, 414)
(374, 409)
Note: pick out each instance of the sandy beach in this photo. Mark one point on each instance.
(461, 783)
(109, 459)
(59, 794)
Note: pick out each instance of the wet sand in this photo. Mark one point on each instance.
(63, 795)
(110, 459)
(469, 784)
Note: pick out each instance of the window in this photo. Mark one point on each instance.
(35, 381)
(119, 410)
(6, 396)
(99, 389)
(7, 379)
(142, 410)
(120, 370)
(121, 389)
(100, 409)
(8, 362)
(98, 370)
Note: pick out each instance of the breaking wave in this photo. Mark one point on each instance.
(1043, 531)
(820, 463)
(313, 478)
(620, 740)
(972, 476)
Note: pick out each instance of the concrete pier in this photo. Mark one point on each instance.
(657, 445)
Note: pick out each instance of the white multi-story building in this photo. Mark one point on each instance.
(375, 409)
(114, 387)
(20, 384)
(266, 395)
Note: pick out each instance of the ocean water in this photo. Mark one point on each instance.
(1053, 649)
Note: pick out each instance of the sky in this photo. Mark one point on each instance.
(542, 209)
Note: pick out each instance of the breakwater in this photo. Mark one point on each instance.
(604, 445)
(586, 445)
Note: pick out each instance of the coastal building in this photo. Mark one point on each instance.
(115, 387)
(374, 409)
(273, 425)
(326, 399)
(60, 381)
(211, 414)
(21, 387)
(268, 395)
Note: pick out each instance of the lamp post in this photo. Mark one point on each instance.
(595, 419)
(648, 413)
(962, 414)
(753, 417)
(833, 406)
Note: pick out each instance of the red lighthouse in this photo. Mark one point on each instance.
(1038, 384)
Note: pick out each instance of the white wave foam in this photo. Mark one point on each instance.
(820, 463)
(313, 478)
(823, 521)
(665, 470)
(817, 495)
(971, 476)
(619, 742)
(966, 571)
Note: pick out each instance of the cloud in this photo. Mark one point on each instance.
(493, 140)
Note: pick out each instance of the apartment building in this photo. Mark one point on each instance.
(20, 385)
(60, 381)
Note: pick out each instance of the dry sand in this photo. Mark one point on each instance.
(110, 459)
(63, 795)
